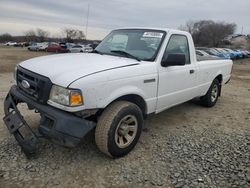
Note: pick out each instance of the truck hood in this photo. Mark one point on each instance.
(63, 69)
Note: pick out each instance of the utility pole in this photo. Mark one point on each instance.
(242, 30)
(87, 22)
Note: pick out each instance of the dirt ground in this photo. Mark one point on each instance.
(185, 146)
(10, 56)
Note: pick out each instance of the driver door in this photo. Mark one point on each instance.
(176, 83)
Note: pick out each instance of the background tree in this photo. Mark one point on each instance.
(30, 36)
(42, 34)
(6, 37)
(73, 35)
(209, 33)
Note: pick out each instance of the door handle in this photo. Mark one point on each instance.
(191, 71)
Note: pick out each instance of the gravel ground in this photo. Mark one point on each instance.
(185, 146)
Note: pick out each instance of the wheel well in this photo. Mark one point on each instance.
(219, 78)
(136, 99)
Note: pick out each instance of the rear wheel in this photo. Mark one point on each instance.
(212, 94)
(119, 128)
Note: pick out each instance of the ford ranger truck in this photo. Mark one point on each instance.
(133, 72)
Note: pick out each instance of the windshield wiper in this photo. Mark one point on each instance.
(125, 54)
(97, 52)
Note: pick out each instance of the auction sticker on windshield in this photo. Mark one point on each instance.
(153, 34)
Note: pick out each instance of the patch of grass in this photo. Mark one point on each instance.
(11, 56)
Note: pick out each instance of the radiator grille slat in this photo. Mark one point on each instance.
(39, 85)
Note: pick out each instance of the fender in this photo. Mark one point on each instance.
(122, 91)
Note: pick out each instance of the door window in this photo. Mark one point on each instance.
(178, 44)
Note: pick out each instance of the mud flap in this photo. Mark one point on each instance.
(14, 122)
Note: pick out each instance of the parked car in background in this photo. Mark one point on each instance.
(33, 47)
(10, 43)
(22, 44)
(248, 53)
(43, 46)
(244, 53)
(203, 56)
(241, 55)
(57, 48)
(234, 54)
(76, 49)
(88, 48)
(80, 48)
(203, 53)
(222, 53)
(213, 52)
(69, 45)
(227, 53)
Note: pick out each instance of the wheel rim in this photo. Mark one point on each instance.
(126, 131)
(214, 93)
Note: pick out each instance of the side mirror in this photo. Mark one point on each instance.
(174, 60)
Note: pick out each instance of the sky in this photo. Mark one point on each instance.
(18, 16)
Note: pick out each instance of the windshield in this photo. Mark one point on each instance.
(133, 43)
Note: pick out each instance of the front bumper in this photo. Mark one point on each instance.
(62, 127)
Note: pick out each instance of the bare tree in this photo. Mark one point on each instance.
(189, 26)
(208, 32)
(42, 34)
(6, 37)
(30, 36)
(72, 35)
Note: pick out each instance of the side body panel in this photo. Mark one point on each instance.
(177, 84)
(99, 90)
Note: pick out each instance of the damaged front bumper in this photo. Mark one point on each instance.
(62, 127)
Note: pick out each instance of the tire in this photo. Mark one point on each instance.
(111, 128)
(211, 97)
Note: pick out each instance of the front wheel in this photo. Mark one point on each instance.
(119, 128)
(212, 94)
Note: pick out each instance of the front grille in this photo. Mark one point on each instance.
(39, 86)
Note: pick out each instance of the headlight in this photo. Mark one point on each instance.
(67, 97)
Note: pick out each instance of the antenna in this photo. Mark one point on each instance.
(87, 22)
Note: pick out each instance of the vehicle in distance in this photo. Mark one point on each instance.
(33, 47)
(57, 48)
(132, 73)
(10, 43)
(43, 46)
(233, 54)
(213, 52)
(202, 55)
(80, 49)
(228, 54)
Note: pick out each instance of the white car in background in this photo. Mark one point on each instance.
(201, 53)
(10, 43)
(80, 48)
(42, 46)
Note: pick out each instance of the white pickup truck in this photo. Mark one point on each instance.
(132, 73)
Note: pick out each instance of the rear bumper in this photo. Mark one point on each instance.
(62, 127)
